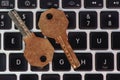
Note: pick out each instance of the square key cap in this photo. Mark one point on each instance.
(50, 77)
(7, 4)
(72, 77)
(71, 4)
(2, 62)
(60, 62)
(12, 41)
(8, 77)
(93, 3)
(17, 62)
(27, 4)
(45, 4)
(29, 77)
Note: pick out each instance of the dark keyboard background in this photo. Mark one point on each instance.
(93, 33)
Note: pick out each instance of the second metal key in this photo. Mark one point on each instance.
(38, 51)
(53, 23)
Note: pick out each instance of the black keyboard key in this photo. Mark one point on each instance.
(109, 19)
(113, 3)
(27, 17)
(78, 40)
(87, 20)
(45, 4)
(72, 77)
(60, 62)
(55, 44)
(71, 4)
(115, 40)
(104, 61)
(27, 4)
(8, 77)
(93, 77)
(50, 77)
(17, 62)
(0, 41)
(37, 18)
(98, 40)
(39, 34)
(12, 41)
(5, 21)
(113, 77)
(118, 61)
(2, 62)
(93, 3)
(7, 4)
(34, 68)
(85, 61)
(29, 77)
(72, 19)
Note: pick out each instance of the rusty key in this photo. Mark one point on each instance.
(53, 23)
(38, 51)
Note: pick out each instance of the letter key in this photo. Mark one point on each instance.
(38, 51)
(53, 23)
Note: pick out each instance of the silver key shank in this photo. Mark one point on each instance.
(19, 23)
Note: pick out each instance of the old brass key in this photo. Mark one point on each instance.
(38, 51)
(53, 23)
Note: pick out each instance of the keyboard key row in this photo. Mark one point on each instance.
(78, 40)
(68, 4)
(103, 62)
(6, 22)
(57, 77)
(87, 19)
(69, 14)
(108, 20)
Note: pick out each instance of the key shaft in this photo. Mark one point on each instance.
(62, 40)
(19, 23)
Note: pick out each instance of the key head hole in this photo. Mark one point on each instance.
(49, 16)
(43, 58)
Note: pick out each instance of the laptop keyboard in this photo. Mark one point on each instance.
(93, 33)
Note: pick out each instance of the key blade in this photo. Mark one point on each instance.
(18, 22)
(68, 51)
